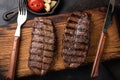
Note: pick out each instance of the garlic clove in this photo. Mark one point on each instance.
(53, 3)
(47, 1)
(47, 7)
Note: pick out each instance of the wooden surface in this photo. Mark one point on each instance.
(111, 49)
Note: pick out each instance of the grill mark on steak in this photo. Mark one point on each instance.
(35, 51)
(47, 56)
(36, 45)
(41, 32)
(37, 38)
(69, 27)
(42, 22)
(69, 34)
(75, 60)
(50, 37)
(80, 29)
(42, 42)
(40, 29)
(76, 39)
(45, 23)
(74, 55)
(71, 48)
(76, 14)
(80, 35)
(36, 65)
(77, 43)
(42, 46)
(73, 22)
(33, 60)
(84, 37)
(70, 39)
(48, 50)
(83, 29)
(77, 48)
(36, 57)
(33, 63)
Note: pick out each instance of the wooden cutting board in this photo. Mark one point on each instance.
(111, 49)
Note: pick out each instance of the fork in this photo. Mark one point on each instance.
(22, 17)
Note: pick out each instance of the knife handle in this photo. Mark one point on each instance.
(95, 69)
(11, 71)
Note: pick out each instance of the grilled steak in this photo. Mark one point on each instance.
(42, 46)
(76, 39)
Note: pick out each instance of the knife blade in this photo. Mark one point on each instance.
(109, 14)
(107, 22)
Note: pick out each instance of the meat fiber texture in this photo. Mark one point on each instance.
(42, 46)
(76, 39)
(75, 43)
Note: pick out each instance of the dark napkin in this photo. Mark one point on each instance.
(64, 7)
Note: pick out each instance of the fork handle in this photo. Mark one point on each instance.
(11, 72)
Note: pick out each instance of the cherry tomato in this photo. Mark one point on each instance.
(36, 5)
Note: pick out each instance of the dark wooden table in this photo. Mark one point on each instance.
(110, 70)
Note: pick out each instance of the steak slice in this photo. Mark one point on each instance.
(76, 39)
(42, 46)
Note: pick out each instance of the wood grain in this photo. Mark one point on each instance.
(111, 49)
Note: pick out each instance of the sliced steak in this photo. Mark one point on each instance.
(76, 39)
(42, 46)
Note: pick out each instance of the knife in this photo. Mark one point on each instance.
(107, 22)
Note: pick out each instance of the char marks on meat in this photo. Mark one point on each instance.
(42, 46)
(76, 39)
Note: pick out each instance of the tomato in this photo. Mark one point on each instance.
(36, 5)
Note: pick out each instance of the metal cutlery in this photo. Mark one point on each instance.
(108, 20)
(22, 17)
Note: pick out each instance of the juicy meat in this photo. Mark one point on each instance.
(42, 46)
(76, 39)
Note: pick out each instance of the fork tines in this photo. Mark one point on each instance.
(22, 6)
